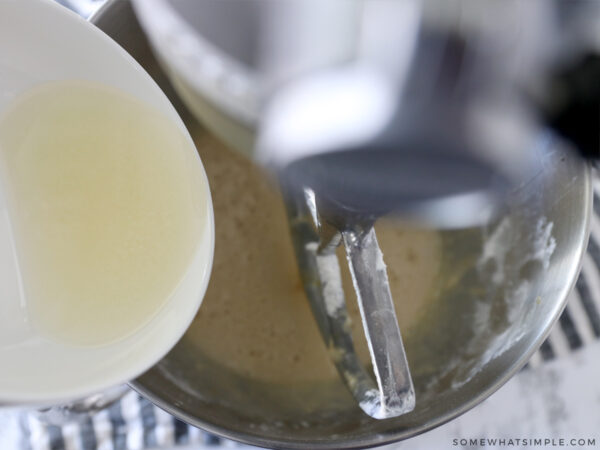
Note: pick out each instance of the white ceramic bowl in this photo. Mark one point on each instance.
(41, 41)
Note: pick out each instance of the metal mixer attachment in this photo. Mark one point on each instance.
(315, 240)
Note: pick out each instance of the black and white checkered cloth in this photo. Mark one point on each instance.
(131, 423)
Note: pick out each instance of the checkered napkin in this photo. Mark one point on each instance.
(131, 423)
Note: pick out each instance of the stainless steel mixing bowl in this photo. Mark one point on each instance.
(512, 284)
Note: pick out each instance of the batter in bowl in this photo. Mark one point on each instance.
(255, 318)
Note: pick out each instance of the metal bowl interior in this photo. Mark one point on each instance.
(454, 368)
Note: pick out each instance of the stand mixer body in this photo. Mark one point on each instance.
(368, 101)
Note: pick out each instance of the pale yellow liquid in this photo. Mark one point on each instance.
(105, 199)
(255, 318)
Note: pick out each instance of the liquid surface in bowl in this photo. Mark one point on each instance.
(103, 196)
(255, 318)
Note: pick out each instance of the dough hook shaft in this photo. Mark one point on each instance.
(391, 393)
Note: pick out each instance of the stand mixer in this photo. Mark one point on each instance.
(367, 108)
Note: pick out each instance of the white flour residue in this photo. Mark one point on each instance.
(495, 249)
(538, 247)
(510, 295)
(501, 343)
(517, 300)
(380, 265)
(331, 279)
(482, 315)
(544, 243)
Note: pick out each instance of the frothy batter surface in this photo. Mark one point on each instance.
(255, 318)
